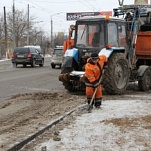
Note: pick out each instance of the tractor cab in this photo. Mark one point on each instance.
(97, 33)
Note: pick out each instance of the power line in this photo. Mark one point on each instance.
(86, 4)
(70, 1)
(39, 7)
(94, 8)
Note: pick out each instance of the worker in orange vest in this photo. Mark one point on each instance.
(93, 72)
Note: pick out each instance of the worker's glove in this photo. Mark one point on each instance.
(82, 79)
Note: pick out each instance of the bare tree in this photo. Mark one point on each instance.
(21, 26)
(1, 27)
(59, 39)
(36, 35)
(1, 36)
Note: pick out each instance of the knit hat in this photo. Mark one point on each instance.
(94, 55)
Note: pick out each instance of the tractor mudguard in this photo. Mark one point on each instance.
(70, 57)
(72, 53)
(142, 69)
(109, 52)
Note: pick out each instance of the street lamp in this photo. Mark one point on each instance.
(52, 42)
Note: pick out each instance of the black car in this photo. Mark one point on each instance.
(27, 56)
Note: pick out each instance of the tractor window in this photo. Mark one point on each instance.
(81, 35)
(112, 34)
(90, 35)
(122, 35)
(94, 35)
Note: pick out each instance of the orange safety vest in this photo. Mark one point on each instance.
(92, 71)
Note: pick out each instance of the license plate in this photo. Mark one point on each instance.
(20, 56)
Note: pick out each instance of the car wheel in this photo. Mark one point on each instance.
(24, 65)
(53, 66)
(15, 65)
(33, 63)
(42, 63)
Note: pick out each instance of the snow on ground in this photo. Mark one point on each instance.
(120, 125)
(4, 60)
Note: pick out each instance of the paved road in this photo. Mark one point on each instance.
(23, 80)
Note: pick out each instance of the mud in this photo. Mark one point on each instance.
(24, 114)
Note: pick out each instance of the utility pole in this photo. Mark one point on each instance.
(28, 25)
(51, 33)
(14, 37)
(5, 26)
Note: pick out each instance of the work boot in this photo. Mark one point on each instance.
(89, 101)
(98, 102)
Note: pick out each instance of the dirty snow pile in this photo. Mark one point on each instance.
(120, 125)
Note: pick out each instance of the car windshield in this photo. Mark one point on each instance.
(90, 35)
(58, 51)
(21, 50)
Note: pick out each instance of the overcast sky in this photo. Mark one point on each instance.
(44, 10)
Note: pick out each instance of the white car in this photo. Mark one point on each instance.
(57, 57)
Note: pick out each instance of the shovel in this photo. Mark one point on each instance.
(90, 105)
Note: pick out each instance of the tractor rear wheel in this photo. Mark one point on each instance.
(116, 76)
(144, 83)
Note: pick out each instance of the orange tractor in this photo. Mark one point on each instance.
(125, 39)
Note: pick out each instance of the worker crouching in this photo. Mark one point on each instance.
(93, 73)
